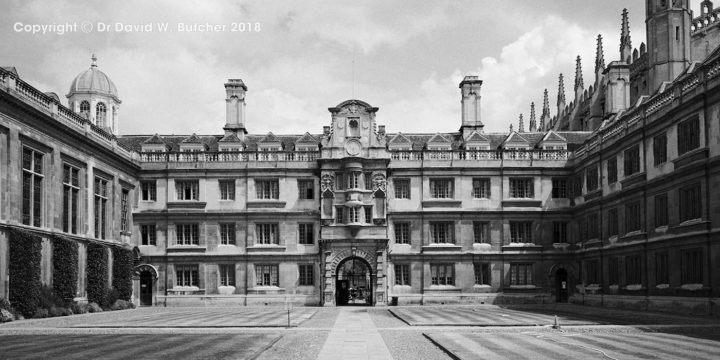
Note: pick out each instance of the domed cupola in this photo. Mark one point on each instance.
(94, 96)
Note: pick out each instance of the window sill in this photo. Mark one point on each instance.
(633, 179)
(691, 157)
(691, 287)
(255, 204)
(529, 246)
(481, 286)
(265, 289)
(634, 287)
(186, 248)
(442, 203)
(274, 248)
(522, 287)
(441, 247)
(447, 288)
(186, 290)
(525, 203)
(186, 204)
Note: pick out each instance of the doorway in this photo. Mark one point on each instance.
(146, 288)
(561, 280)
(354, 283)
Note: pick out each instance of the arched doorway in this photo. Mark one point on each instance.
(146, 288)
(561, 285)
(354, 282)
(146, 275)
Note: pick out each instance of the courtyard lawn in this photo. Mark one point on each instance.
(479, 316)
(157, 317)
(559, 345)
(124, 346)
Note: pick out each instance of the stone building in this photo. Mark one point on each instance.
(608, 202)
(62, 173)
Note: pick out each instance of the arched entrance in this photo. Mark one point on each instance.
(146, 288)
(354, 282)
(147, 275)
(561, 285)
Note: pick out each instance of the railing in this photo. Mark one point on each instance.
(32, 95)
(705, 21)
(479, 155)
(221, 157)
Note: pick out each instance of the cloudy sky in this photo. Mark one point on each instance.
(408, 56)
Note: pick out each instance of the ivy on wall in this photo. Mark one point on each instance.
(24, 270)
(123, 261)
(97, 273)
(65, 269)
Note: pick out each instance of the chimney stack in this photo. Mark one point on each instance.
(235, 107)
(470, 100)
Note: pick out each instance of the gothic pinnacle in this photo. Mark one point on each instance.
(599, 56)
(625, 42)
(561, 91)
(533, 119)
(579, 84)
(521, 126)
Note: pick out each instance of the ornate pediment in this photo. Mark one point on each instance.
(353, 108)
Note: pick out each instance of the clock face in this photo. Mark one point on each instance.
(353, 147)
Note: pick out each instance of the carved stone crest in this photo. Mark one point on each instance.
(379, 182)
(327, 182)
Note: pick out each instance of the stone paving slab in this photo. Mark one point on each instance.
(353, 337)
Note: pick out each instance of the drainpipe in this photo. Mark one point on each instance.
(422, 227)
(167, 224)
(707, 205)
(247, 231)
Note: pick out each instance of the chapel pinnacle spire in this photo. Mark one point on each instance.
(579, 84)
(599, 56)
(94, 61)
(625, 42)
(521, 125)
(545, 112)
(533, 119)
(561, 92)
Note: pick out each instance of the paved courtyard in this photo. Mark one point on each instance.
(447, 332)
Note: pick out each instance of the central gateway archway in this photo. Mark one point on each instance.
(354, 282)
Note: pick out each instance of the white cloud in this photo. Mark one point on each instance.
(511, 81)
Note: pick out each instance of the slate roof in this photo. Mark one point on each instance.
(230, 138)
(476, 137)
(307, 139)
(269, 138)
(192, 139)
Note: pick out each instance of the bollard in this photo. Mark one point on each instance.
(556, 325)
